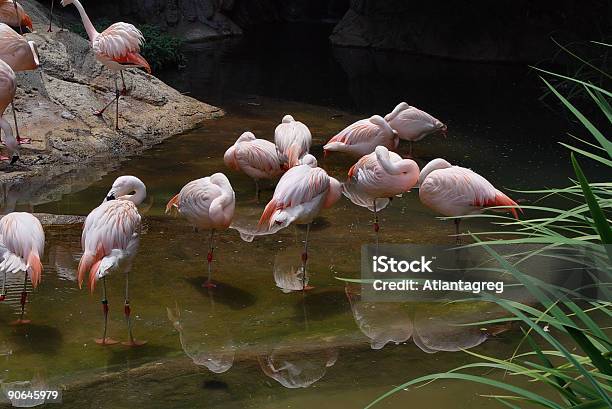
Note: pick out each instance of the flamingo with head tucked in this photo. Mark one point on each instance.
(14, 15)
(362, 137)
(258, 158)
(110, 240)
(412, 124)
(293, 140)
(377, 177)
(117, 48)
(207, 203)
(8, 86)
(455, 191)
(21, 55)
(22, 244)
(299, 197)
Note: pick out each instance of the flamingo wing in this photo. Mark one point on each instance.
(413, 122)
(8, 15)
(121, 43)
(258, 154)
(301, 184)
(22, 243)
(113, 225)
(360, 131)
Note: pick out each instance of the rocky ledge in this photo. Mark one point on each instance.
(55, 108)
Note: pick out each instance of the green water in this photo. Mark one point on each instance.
(277, 350)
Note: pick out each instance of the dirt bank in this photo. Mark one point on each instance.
(55, 109)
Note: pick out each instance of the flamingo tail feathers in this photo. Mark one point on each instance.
(271, 207)
(502, 199)
(134, 59)
(172, 206)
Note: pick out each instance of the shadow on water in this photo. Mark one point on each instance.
(225, 293)
(320, 306)
(37, 338)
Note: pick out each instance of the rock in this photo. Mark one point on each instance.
(517, 30)
(64, 94)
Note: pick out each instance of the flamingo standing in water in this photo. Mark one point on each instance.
(8, 86)
(117, 48)
(377, 177)
(207, 203)
(293, 140)
(362, 137)
(110, 239)
(22, 244)
(299, 197)
(21, 55)
(14, 15)
(258, 158)
(455, 191)
(412, 124)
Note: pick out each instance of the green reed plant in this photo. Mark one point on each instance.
(161, 50)
(568, 356)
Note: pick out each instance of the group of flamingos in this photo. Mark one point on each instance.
(111, 231)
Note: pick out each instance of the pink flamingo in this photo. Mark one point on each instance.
(22, 244)
(454, 191)
(208, 204)
(377, 177)
(258, 158)
(293, 140)
(8, 86)
(110, 239)
(362, 137)
(21, 55)
(117, 48)
(14, 15)
(412, 124)
(299, 197)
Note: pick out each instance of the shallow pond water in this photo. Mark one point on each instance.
(247, 344)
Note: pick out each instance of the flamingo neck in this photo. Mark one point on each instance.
(89, 27)
(140, 193)
(431, 166)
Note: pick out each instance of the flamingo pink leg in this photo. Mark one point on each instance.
(305, 260)
(209, 258)
(376, 225)
(24, 297)
(20, 140)
(105, 340)
(458, 237)
(50, 30)
(127, 310)
(3, 291)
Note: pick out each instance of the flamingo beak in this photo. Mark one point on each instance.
(111, 196)
(14, 160)
(444, 131)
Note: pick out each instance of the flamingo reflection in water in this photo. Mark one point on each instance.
(213, 351)
(289, 274)
(431, 329)
(297, 369)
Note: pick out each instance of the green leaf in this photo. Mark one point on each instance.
(596, 357)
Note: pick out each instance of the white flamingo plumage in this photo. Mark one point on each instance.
(378, 176)
(293, 140)
(413, 124)
(208, 204)
(8, 86)
(455, 191)
(117, 48)
(22, 244)
(362, 137)
(13, 14)
(21, 55)
(258, 158)
(110, 240)
(299, 197)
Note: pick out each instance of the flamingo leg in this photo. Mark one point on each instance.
(257, 191)
(124, 91)
(305, 258)
(24, 297)
(50, 30)
(128, 314)
(3, 291)
(458, 238)
(376, 225)
(105, 340)
(209, 258)
(410, 151)
(117, 95)
(20, 140)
